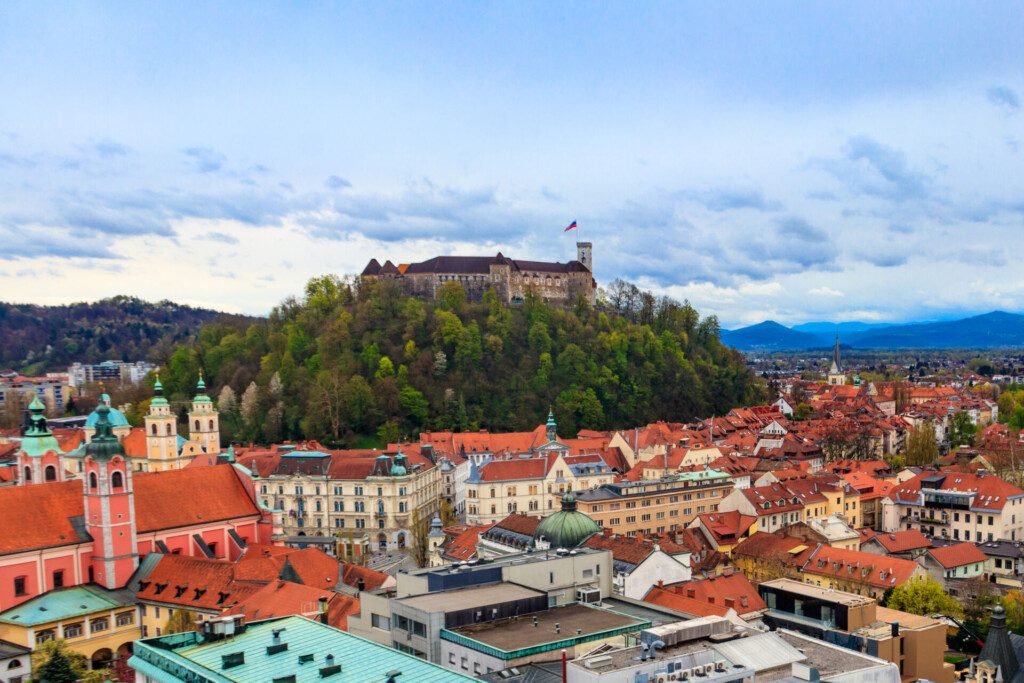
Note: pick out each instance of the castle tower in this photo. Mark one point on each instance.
(40, 457)
(161, 433)
(109, 507)
(835, 373)
(203, 421)
(584, 254)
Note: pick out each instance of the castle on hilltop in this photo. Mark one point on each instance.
(510, 278)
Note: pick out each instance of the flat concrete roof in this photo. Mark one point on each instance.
(518, 634)
(468, 598)
(827, 594)
(829, 660)
(905, 619)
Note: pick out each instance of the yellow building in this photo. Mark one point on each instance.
(98, 623)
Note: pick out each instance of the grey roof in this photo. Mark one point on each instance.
(8, 650)
(468, 598)
(538, 672)
(998, 648)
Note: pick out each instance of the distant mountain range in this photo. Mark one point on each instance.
(995, 329)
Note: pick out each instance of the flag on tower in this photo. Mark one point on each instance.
(572, 226)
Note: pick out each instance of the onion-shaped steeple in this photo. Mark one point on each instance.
(104, 445)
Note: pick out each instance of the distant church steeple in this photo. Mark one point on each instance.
(835, 373)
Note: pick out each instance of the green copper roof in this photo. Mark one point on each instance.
(104, 444)
(158, 393)
(551, 419)
(116, 417)
(398, 466)
(177, 657)
(38, 440)
(568, 528)
(201, 396)
(65, 603)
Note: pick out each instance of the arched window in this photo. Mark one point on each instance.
(211, 425)
(168, 429)
(28, 474)
(197, 425)
(117, 480)
(50, 473)
(154, 429)
(93, 482)
(14, 664)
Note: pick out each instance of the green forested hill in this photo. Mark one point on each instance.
(35, 339)
(347, 363)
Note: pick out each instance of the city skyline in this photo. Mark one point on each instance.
(788, 162)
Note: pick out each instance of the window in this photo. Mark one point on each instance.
(28, 473)
(381, 622)
(153, 430)
(50, 474)
(451, 657)
(337, 491)
(58, 578)
(93, 481)
(45, 635)
(19, 585)
(588, 573)
(414, 627)
(73, 630)
(464, 663)
(117, 480)
(197, 425)
(99, 624)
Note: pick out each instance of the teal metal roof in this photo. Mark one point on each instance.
(66, 603)
(177, 657)
(116, 417)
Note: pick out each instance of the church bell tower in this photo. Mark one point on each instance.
(203, 420)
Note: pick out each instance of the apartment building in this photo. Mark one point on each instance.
(364, 499)
(654, 506)
(976, 507)
(797, 499)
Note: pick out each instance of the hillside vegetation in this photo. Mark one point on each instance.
(366, 364)
(36, 339)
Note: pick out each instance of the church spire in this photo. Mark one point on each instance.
(836, 367)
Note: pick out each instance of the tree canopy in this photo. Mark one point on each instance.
(923, 596)
(360, 364)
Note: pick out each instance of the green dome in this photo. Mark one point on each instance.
(104, 445)
(158, 393)
(38, 440)
(116, 417)
(568, 528)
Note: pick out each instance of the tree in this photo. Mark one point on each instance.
(923, 596)
(447, 513)
(922, 448)
(250, 407)
(55, 662)
(180, 621)
(961, 430)
(419, 545)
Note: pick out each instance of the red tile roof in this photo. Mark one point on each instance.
(512, 470)
(718, 594)
(878, 571)
(957, 555)
(623, 548)
(194, 582)
(726, 527)
(991, 492)
(897, 542)
(40, 516)
(762, 545)
(460, 544)
(371, 578)
(284, 598)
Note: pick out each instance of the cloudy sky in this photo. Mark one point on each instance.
(794, 161)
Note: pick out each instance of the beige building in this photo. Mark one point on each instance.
(366, 500)
(531, 483)
(655, 506)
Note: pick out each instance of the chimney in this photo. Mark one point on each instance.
(558, 627)
(323, 610)
(661, 583)
(690, 593)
